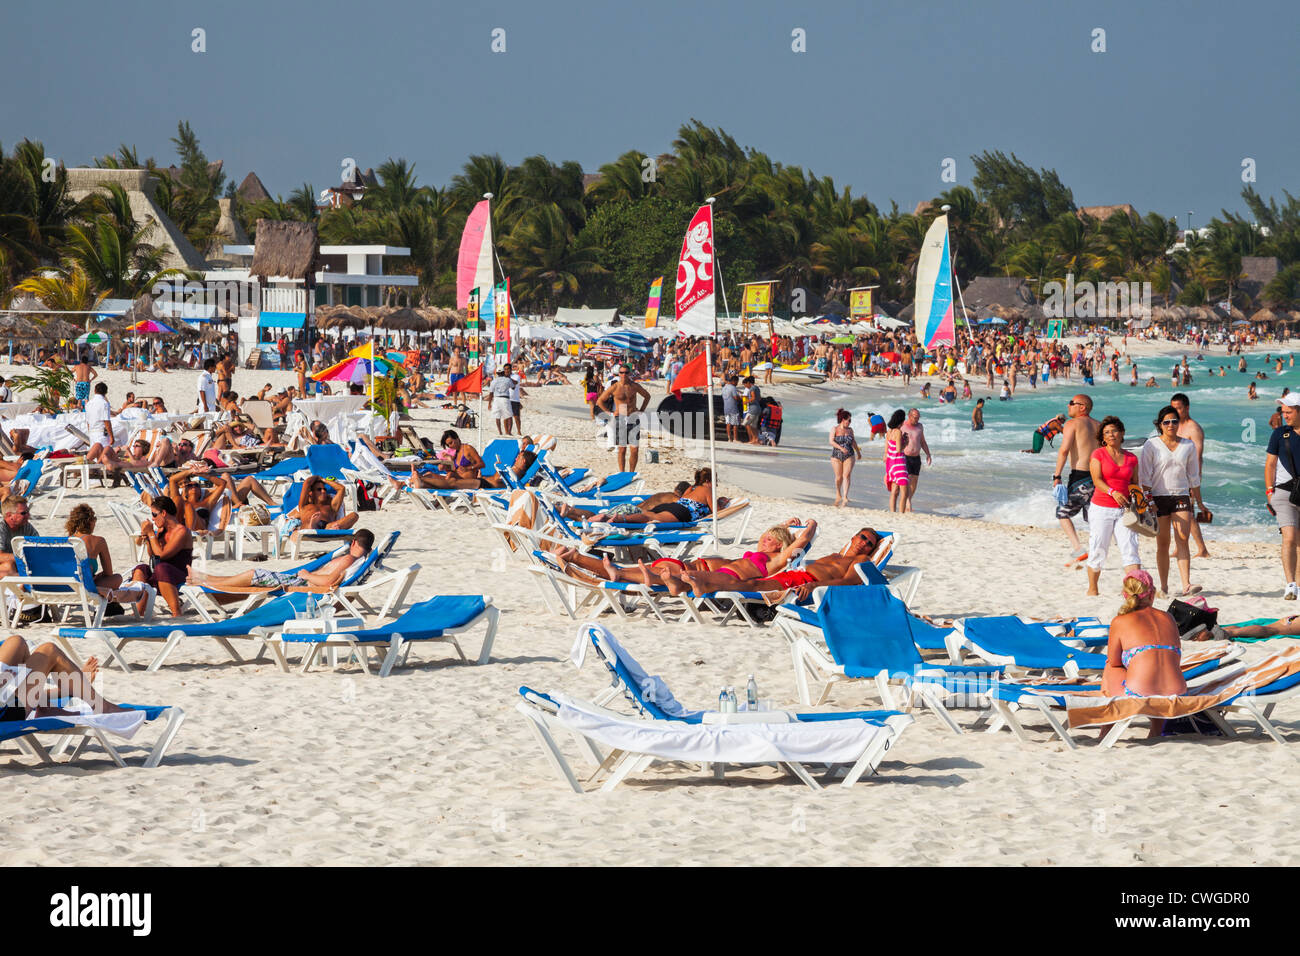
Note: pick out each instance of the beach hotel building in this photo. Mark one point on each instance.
(347, 275)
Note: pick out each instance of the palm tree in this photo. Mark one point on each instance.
(624, 180)
(546, 265)
(67, 289)
(112, 248)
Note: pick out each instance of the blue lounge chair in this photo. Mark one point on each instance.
(440, 618)
(56, 572)
(1013, 643)
(267, 617)
(664, 729)
(26, 734)
(866, 634)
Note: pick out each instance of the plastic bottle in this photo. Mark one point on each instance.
(751, 694)
(731, 700)
(722, 701)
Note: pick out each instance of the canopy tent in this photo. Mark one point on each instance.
(586, 316)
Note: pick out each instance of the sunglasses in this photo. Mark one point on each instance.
(1076, 403)
(1169, 422)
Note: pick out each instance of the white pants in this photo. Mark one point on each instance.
(1104, 524)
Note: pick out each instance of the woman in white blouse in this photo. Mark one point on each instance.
(1170, 474)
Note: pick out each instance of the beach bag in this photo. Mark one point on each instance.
(1191, 619)
(465, 419)
(1139, 516)
(365, 500)
(255, 515)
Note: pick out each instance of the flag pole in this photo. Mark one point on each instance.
(713, 449)
(717, 269)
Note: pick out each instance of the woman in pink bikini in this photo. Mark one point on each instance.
(774, 551)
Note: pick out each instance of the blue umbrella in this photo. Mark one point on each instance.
(627, 342)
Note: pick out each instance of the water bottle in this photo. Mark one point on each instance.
(311, 605)
(731, 700)
(751, 694)
(722, 701)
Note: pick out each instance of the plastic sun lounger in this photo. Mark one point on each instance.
(268, 616)
(865, 634)
(1011, 642)
(26, 734)
(674, 732)
(56, 572)
(1254, 689)
(439, 619)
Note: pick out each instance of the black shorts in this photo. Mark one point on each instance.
(678, 511)
(1169, 504)
(1080, 490)
(516, 407)
(913, 464)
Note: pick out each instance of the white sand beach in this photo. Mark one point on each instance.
(433, 764)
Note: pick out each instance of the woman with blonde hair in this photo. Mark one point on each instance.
(1144, 649)
(81, 524)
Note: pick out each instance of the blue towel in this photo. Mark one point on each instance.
(1061, 493)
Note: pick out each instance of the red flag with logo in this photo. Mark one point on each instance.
(471, 383)
(695, 302)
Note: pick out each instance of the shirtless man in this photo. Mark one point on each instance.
(330, 575)
(1078, 442)
(82, 376)
(455, 367)
(913, 447)
(628, 400)
(1188, 428)
(831, 571)
(320, 505)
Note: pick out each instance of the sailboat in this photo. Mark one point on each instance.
(934, 286)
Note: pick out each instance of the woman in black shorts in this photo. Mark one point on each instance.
(1169, 472)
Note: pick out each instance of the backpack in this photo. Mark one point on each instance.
(365, 500)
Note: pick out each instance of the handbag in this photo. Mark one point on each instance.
(1138, 515)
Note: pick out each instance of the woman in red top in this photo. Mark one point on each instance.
(1113, 471)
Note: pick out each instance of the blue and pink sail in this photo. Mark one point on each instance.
(934, 317)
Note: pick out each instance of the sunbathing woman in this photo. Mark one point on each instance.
(31, 668)
(81, 524)
(776, 547)
(1144, 650)
(523, 461)
(1282, 627)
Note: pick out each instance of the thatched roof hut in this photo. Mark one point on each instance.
(142, 308)
(1265, 315)
(287, 249)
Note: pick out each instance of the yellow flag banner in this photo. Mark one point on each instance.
(860, 305)
(757, 299)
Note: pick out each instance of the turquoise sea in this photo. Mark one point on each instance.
(984, 475)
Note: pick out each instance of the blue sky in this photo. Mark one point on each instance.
(884, 93)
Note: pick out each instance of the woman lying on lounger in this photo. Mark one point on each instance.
(31, 668)
(523, 461)
(259, 579)
(775, 549)
(1282, 627)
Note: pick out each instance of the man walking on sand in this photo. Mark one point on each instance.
(82, 376)
(1188, 428)
(622, 402)
(914, 435)
(499, 400)
(1078, 442)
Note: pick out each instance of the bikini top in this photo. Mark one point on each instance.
(1133, 652)
(759, 560)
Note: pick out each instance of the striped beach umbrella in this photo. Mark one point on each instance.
(627, 342)
(92, 338)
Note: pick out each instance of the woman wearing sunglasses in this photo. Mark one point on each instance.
(1170, 474)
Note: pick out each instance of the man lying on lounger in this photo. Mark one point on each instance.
(776, 547)
(1282, 627)
(329, 576)
(523, 461)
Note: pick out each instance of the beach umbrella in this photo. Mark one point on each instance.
(890, 356)
(150, 327)
(627, 342)
(842, 340)
(92, 338)
(602, 352)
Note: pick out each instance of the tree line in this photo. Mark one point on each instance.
(565, 240)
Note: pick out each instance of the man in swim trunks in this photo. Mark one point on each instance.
(329, 576)
(1078, 442)
(913, 447)
(623, 401)
(833, 570)
(82, 376)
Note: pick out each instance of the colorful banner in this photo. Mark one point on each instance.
(695, 301)
(860, 304)
(501, 332)
(472, 324)
(757, 299)
(652, 303)
(474, 264)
